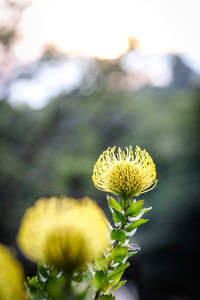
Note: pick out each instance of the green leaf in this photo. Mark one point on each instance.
(117, 286)
(113, 204)
(115, 281)
(118, 254)
(100, 280)
(41, 280)
(53, 287)
(135, 224)
(121, 202)
(135, 208)
(117, 271)
(141, 213)
(101, 263)
(118, 217)
(106, 297)
(32, 284)
(144, 210)
(43, 270)
(78, 277)
(130, 254)
(118, 235)
(32, 289)
(116, 274)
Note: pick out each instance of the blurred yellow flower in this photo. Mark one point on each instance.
(63, 232)
(11, 276)
(125, 174)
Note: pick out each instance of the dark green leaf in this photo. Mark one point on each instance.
(118, 254)
(118, 217)
(135, 224)
(113, 204)
(135, 208)
(118, 235)
(32, 289)
(53, 287)
(43, 270)
(41, 279)
(78, 277)
(32, 284)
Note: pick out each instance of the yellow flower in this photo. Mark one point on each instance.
(11, 276)
(63, 232)
(125, 174)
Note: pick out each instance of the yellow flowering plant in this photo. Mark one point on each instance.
(11, 276)
(63, 235)
(126, 174)
(80, 255)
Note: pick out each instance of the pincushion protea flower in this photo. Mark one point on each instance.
(11, 276)
(126, 174)
(63, 232)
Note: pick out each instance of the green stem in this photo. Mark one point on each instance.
(67, 287)
(124, 204)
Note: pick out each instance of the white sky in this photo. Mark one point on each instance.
(101, 27)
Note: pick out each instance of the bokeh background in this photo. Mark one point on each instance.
(79, 76)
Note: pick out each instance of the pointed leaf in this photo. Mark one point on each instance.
(134, 247)
(118, 254)
(135, 208)
(101, 263)
(117, 286)
(118, 217)
(43, 270)
(100, 280)
(117, 271)
(141, 213)
(130, 254)
(118, 235)
(135, 224)
(106, 297)
(121, 202)
(113, 204)
(32, 285)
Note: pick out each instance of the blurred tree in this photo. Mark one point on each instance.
(11, 11)
(52, 152)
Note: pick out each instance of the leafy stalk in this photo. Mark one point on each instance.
(110, 268)
(105, 276)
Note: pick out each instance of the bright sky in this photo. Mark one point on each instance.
(101, 27)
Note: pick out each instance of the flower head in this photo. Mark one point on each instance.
(11, 276)
(63, 232)
(126, 174)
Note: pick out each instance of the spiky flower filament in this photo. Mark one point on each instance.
(126, 173)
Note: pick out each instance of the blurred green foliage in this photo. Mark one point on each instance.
(52, 151)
